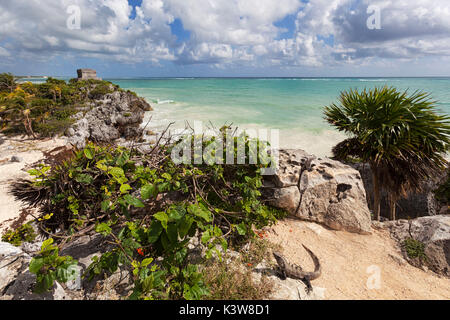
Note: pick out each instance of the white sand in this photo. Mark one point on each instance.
(350, 263)
(30, 151)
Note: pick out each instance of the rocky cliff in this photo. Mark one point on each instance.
(113, 116)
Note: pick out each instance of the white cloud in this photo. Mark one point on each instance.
(228, 31)
(106, 29)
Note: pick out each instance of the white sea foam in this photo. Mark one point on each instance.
(164, 101)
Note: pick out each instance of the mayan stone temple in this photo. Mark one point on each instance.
(87, 74)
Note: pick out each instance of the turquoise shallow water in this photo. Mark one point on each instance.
(294, 106)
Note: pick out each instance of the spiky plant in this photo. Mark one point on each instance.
(401, 136)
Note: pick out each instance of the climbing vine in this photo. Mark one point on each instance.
(148, 209)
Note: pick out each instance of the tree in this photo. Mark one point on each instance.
(7, 82)
(401, 136)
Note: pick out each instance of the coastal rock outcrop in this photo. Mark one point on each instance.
(116, 115)
(433, 232)
(319, 190)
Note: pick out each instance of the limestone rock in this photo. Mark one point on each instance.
(319, 190)
(287, 199)
(16, 281)
(116, 115)
(291, 164)
(434, 233)
(12, 263)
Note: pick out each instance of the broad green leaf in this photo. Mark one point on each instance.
(67, 272)
(146, 262)
(184, 226)
(46, 244)
(36, 264)
(176, 213)
(134, 201)
(118, 174)
(34, 172)
(84, 178)
(162, 216)
(155, 231)
(206, 236)
(241, 229)
(172, 233)
(124, 188)
(148, 191)
(200, 212)
(88, 153)
(105, 205)
(104, 229)
(101, 165)
(165, 241)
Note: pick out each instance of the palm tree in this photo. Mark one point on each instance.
(401, 136)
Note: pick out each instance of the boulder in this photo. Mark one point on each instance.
(16, 281)
(433, 232)
(116, 115)
(319, 190)
(12, 263)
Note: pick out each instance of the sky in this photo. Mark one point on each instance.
(226, 38)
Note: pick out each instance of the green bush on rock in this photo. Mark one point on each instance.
(48, 108)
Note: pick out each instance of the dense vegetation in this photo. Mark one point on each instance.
(24, 233)
(48, 108)
(148, 209)
(401, 136)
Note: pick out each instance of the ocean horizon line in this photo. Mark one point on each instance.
(250, 77)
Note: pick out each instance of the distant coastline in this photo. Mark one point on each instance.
(291, 105)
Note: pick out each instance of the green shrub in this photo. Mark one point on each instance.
(48, 266)
(49, 106)
(414, 249)
(100, 90)
(124, 194)
(7, 82)
(24, 233)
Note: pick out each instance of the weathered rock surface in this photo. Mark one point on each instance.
(415, 205)
(433, 232)
(17, 283)
(117, 115)
(319, 190)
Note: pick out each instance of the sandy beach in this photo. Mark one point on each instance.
(27, 152)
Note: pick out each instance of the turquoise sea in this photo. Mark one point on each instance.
(292, 105)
